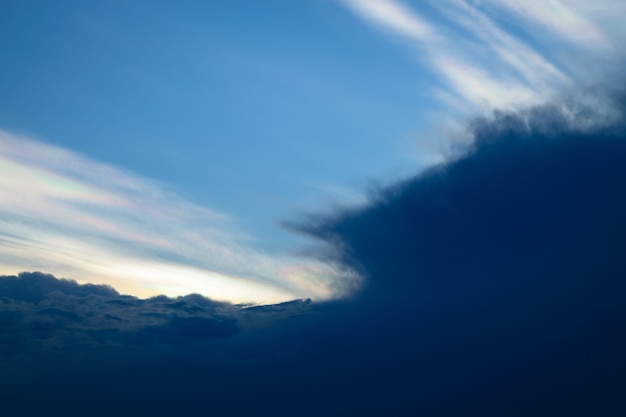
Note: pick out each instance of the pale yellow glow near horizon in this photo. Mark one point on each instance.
(76, 218)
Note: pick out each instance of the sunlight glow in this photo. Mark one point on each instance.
(66, 214)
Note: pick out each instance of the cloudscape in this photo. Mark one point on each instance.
(354, 207)
(495, 285)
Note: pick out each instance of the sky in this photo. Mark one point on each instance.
(160, 148)
(312, 207)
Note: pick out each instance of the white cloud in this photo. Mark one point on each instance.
(393, 16)
(69, 215)
(480, 88)
(529, 65)
(564, 20)
(480, 61)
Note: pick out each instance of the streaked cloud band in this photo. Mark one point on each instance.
(65, 213)
(480, 62)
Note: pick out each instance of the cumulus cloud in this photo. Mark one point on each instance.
(41, 312)
(65, 213)
(44, 317)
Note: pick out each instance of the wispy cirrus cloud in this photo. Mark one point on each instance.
(82, 219)
(488, 54)
(568, 21)
(395, 17)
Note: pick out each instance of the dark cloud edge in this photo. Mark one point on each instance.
(525, 320)
(571, 115)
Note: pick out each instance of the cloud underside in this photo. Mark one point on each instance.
(495, 287)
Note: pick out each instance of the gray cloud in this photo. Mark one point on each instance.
(44, 319)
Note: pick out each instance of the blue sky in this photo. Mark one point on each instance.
(157, 146)
(268, 101)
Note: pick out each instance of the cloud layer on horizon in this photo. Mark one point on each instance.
(46, 322)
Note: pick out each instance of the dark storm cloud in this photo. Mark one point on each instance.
(530, 192)
(495, 288)
(500, 277)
